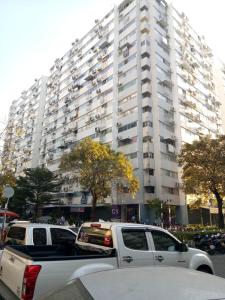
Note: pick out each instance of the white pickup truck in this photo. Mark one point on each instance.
(28, 272)
(25, 233)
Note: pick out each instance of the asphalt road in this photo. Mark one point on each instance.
(219, 264)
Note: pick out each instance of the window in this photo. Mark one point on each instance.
(59, 234)
(127, 85)
(163, 241)
(146, 109)
(148, 154)
(147, 138)
(135, 239)
(127, 25)
(150, 189)
(96, 236)
(17, 233)
(128, 126)
(147, 123)
(39, 236)
(151, 172)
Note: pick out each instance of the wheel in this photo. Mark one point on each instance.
(205, 269)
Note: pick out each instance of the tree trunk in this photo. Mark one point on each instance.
(220, 209)
(35, 213)
(93, 209)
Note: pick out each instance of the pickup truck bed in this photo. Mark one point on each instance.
(59, 252)
(59, 264)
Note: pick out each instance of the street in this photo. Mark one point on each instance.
(219, 264)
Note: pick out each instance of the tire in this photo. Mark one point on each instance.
(205, 269)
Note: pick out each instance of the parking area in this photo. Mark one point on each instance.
(219, 264)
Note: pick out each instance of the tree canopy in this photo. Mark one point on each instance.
(203, 164)
(97, 168)
(38, 187)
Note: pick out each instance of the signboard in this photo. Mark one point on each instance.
(8, 192)
(116, 212)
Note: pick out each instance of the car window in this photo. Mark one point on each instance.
(59, 234)
(39, 236)
(135, 239)
(17, 233)
(96, 236)
(163, 241)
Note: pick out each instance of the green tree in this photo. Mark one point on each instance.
(203, 164)
(156, 205)
(38, 186)
(96, 167)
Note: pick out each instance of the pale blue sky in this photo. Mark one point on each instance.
(35, 32)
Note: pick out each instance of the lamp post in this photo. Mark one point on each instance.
(8, 192)
(161, 216)
(169, 211)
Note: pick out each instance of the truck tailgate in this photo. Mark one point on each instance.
(12, 270)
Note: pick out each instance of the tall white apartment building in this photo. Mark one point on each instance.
(24, 129)
(141, 80)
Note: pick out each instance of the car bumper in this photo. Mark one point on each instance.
(5, 293)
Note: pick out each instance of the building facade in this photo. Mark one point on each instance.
(24, 129)
(140, 80)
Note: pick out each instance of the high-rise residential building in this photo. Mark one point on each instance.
(219, 75)
(141, 80)
(24, 129)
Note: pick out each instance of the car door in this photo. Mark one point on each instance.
(133, 247)
(166, 250)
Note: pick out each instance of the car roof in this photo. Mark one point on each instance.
(154, 283)
(145, 283)
(108, 225)
(39, 225)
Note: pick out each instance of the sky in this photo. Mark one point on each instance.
(33, 33)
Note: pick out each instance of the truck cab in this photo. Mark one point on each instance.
(140, 245)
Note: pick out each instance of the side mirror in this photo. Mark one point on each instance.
(182, 247)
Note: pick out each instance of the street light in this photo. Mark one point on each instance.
(8, 192)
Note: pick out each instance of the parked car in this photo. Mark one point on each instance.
(145, 283)
(99, 246)
(26, 233)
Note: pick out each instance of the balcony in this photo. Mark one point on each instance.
(145, 28)
(145, 75)
(146, 88)
(144, 15)
(145, 62)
